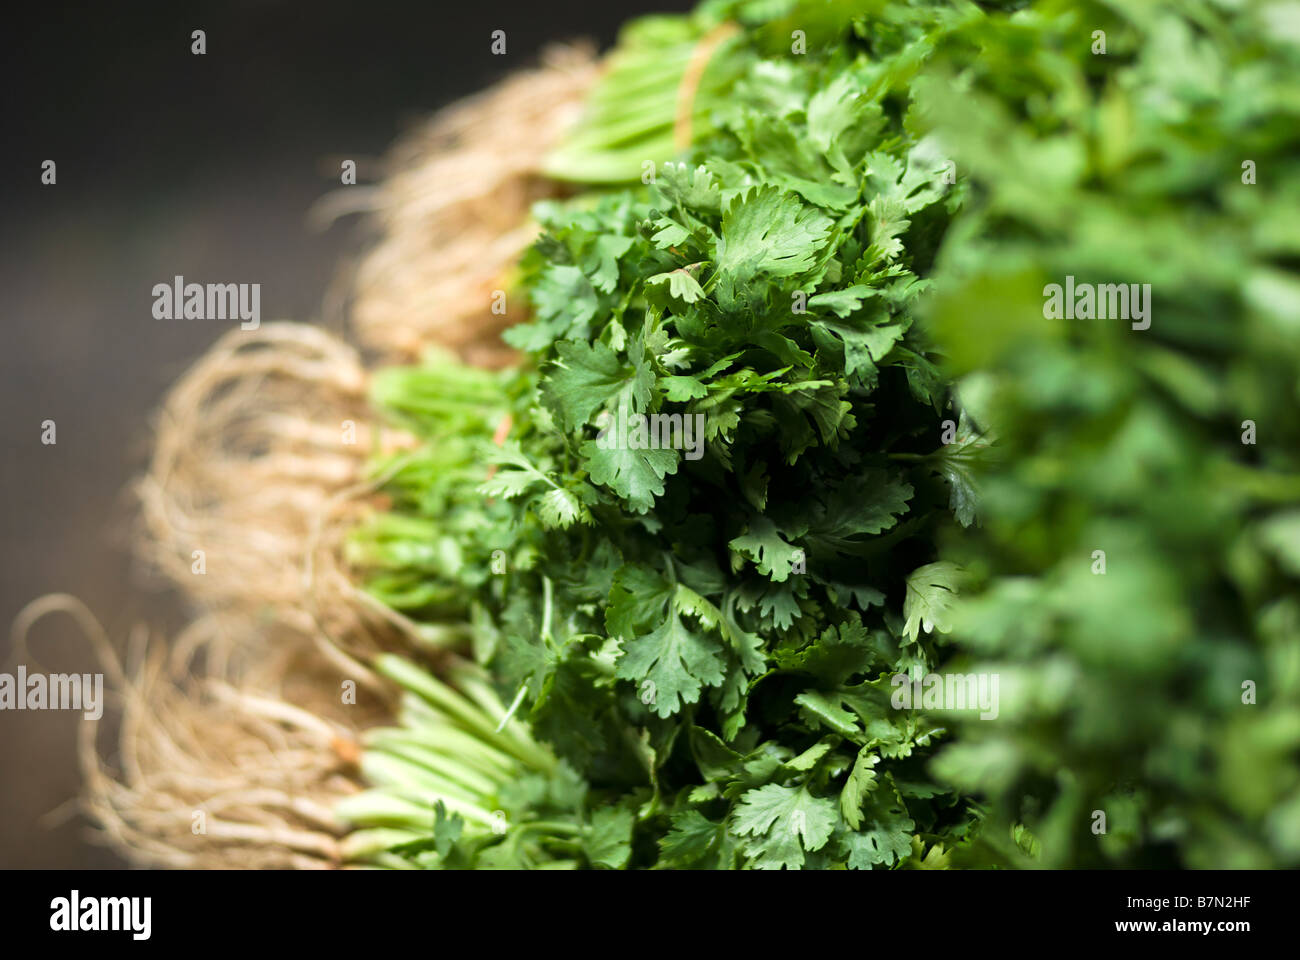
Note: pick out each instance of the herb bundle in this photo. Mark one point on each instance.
(706, 636)
(1135, 583)
(730, 493)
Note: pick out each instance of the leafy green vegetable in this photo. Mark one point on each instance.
(1127, 675)
(794, 419)
(716, 477)
(459, 785)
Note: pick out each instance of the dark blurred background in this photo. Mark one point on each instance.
(170, 163)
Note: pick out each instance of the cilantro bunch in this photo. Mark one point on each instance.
(843, 284)
(709, 641)
(1136, 582)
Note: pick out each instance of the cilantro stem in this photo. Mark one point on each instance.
(546, 609)
(553, 826)
(448, 767)
(426, 728)
(462, 711)
(390, 769)
(514, 705)
(388, 808)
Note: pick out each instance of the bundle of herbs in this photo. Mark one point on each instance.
(729, 496)
(1136, 582)
(707, 543)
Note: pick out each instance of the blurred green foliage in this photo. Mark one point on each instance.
(1125, 691)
